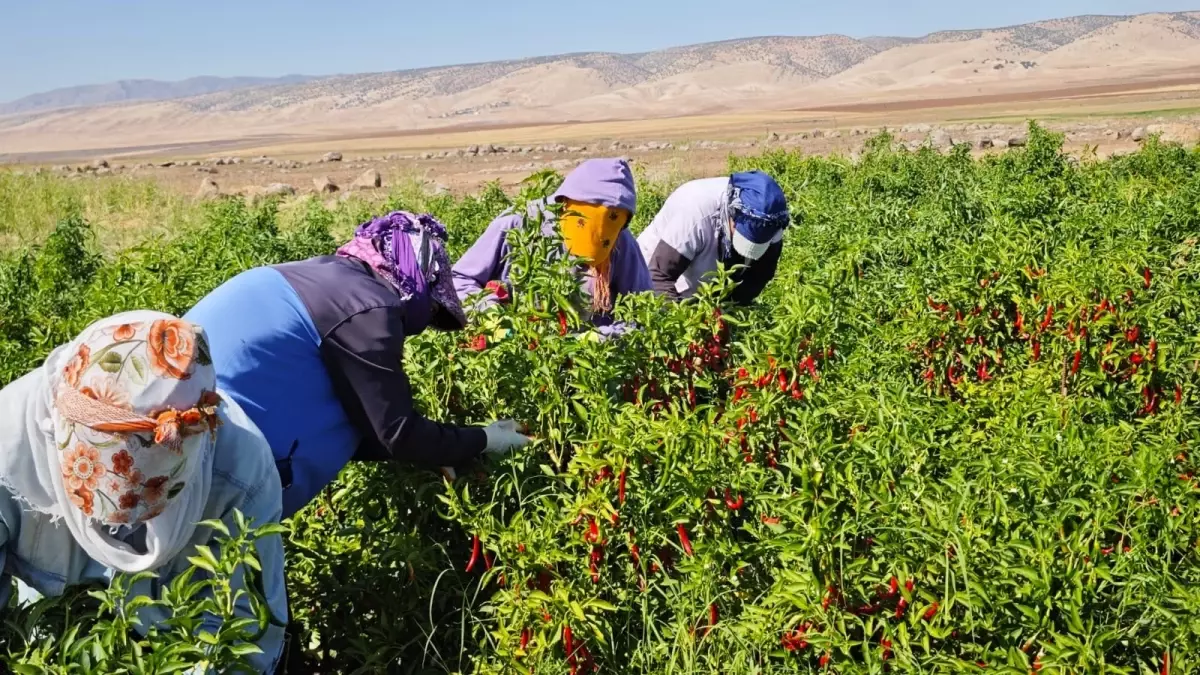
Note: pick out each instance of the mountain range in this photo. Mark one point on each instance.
(139, 90)
(736, 75)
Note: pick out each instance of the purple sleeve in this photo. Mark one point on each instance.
(483, 262)
(363, 356)
(629, 274)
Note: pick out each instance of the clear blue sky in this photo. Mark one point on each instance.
(45, 44)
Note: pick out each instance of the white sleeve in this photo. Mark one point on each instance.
(684, 221)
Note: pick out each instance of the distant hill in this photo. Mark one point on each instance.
(777, 72)
(138, 90)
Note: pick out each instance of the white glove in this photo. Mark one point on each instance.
(503, 436)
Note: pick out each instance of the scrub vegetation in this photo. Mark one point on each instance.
(953, 436)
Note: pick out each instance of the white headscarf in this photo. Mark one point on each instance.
(119, 430)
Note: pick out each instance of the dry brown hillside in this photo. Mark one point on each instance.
(746, 74)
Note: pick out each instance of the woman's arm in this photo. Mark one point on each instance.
(364, 358)
(483, 261)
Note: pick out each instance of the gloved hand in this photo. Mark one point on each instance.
(503, 436)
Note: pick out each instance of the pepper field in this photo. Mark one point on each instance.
(953, 436)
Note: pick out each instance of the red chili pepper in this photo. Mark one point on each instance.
(1049, 317)
(893, 586)
(753, 416)
(635, 554)
(733, 504)
(981, 371)
(562, 323)
(593, 533)
(476, 548)
(568, 643)
(1152, 351)
(824, 660)
(769, 520)
(713, 617)
(683, 539)
(909, 585)
(1178, 394)
(1075, 361)
(488, 561)
(1132, 334)
(1037, 350)
(595, 558)
(930, 613)
(901, 607)
(1166, 664)
(621, 487)
(602, 475)
(525, 635)
(499, 290)
(1146, 277)
(1020, 322)
(1150, 399)
(478, 343)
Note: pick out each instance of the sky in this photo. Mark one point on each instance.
(47, 44)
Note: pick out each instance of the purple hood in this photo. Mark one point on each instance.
(604, 182)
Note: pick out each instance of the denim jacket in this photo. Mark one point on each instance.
(44, 556)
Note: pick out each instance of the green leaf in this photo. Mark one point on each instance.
(111, 362)
(139, 369)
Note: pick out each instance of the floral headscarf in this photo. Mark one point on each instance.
(134, 411)
(409, 252)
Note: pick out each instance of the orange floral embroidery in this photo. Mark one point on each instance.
(78, 363)
(171, 346)
(118, 517)
(83, 499)
(125, 332)
(129, 500)
(122, 463)
(106, 391)
(81, 468)
(155, 489)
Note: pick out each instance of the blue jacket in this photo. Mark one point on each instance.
(312, 351)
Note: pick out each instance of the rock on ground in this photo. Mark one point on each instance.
(208, 189)
(940, 138)
(369, 180)
(1139, 134)
(324, 185)
(272, 190)
(332, 157)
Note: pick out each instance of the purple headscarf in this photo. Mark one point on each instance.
(409, 252)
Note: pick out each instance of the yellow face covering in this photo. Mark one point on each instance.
(590, 231)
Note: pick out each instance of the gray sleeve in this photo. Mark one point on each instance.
(364, 358)
(666, 266)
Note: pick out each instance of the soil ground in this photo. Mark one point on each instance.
(1095, 118)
